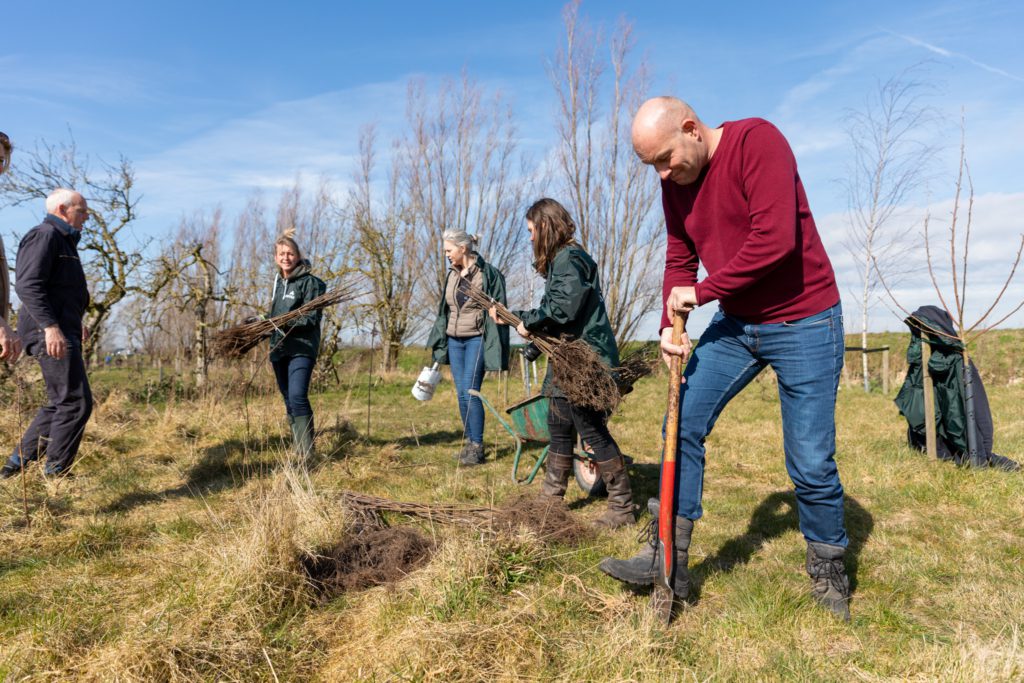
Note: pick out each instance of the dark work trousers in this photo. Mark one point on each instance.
(566, 420)
(293, 373)
(59, 425)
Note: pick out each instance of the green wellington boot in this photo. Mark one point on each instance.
(302, 434)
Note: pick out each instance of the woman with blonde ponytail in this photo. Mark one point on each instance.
(294, 346)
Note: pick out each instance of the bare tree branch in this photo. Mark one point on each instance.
(889, 161)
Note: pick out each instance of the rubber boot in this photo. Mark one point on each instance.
(302, 431)
(291, 428)
(620, 495)
(642, 568)
(557, 471)
(829, 584)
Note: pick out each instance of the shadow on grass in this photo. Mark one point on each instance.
(776, 515)
(412, 440)
(224, 466)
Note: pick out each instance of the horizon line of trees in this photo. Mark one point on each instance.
(458, 165)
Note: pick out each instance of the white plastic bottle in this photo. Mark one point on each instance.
(426, 383)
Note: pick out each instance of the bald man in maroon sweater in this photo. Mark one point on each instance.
(734, 202)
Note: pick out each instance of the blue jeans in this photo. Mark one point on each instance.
(807, 357)
(293, 373)
(466, 355)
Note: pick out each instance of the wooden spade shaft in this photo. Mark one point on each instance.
(662, 598)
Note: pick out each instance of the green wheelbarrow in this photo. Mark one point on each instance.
(529, 424)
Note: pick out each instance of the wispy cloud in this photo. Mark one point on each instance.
(943, 52)
(84, 80)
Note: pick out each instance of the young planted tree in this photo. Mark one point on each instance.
(952, 293)
(890, 159)
(111, 255)
(610, 192)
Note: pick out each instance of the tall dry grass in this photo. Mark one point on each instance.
(175, 554)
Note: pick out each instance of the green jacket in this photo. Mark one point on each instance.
(301, 337)
(946, 367)
(573, 305)
(496, 344)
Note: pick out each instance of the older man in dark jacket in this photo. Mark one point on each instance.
(51, 284)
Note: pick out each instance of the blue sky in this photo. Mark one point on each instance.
(213, 100)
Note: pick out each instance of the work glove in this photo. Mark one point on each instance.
(531, 352)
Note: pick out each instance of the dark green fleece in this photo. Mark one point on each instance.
(301, 337)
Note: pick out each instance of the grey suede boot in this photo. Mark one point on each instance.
(557, 471)
(473, 454)
(302, 431)
(642, 568)
(620, 495)
(829, 584)
(639, 569)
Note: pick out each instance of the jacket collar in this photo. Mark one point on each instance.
(303, 268)
(478, 264)
(64, 227)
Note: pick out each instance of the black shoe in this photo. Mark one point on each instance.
(9, 470)
(63, 475)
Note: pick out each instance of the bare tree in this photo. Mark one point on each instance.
(111, 255)
(188, 279)
(325, 239)
(611, 193)
(251, 265)
(389, 251)
(462, 170)
(890, 159)
(959, 238)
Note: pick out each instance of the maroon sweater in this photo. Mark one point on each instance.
(746, 218)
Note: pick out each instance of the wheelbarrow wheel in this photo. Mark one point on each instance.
(585, 471)
(588, 478)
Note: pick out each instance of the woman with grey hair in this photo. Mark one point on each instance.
(466, 338)
(10, 344)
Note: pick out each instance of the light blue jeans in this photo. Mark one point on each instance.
(807, 357)
(466, 354)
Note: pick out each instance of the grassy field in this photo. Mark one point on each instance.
(174, 554)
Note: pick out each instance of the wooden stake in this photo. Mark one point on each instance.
(929, 399)
(885, 370)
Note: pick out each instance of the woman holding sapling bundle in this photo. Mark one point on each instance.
(294, 346)
(466, 338)
(573, 306)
